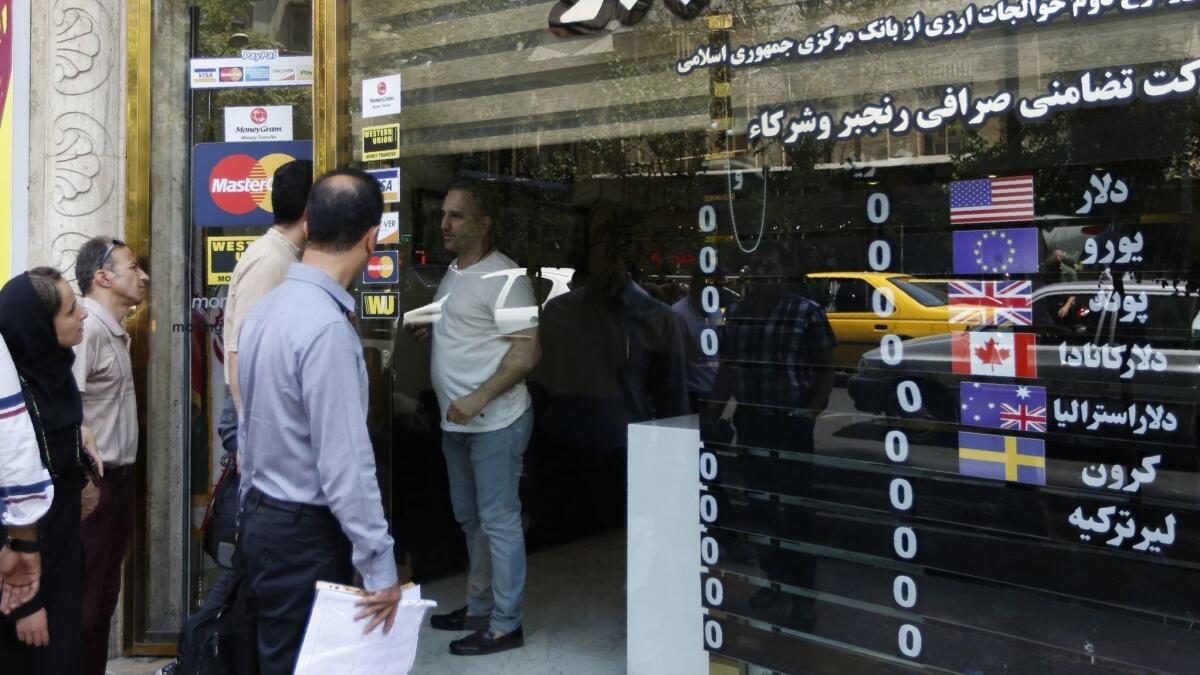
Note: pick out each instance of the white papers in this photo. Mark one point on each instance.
(424, 315)
(334, 643)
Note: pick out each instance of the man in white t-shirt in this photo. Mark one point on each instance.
(479, 377)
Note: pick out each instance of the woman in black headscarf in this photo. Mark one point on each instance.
(41, 321)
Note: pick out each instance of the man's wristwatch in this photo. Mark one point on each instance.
(23, 545)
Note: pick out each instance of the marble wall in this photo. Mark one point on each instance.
(77, 127)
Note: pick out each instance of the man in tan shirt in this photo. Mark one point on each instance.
(264, 264)
(111, 282)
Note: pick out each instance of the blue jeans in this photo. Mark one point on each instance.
(485, 472)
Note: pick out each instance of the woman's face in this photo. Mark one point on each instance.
(68, 323)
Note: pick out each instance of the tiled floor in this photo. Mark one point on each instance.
(138, 665)
(574, 618)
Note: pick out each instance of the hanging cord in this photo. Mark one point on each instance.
(762, 225)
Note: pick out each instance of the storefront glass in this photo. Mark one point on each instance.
(251, 111)
(925, 271)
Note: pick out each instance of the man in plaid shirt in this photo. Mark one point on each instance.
(776, 350)
(776, 353)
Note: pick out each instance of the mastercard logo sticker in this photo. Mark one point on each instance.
(231, 182)
(382, 268)
(241, 183)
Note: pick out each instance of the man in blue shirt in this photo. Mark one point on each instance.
(310, 497)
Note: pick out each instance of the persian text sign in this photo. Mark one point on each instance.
(954, 24)
(1092, 89)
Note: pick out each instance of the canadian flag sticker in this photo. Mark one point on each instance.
(994, 353)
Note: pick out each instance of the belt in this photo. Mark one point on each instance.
(119, 471)
(255, 496)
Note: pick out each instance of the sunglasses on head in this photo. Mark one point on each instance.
(108, 251)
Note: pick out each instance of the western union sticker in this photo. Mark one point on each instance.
(373, 305)
(222, 254)
(382, 142)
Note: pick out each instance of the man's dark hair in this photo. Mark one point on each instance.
(93, 255)
(343, 205)
(289, 190)
(483, 195)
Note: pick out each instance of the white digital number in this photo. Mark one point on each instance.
(708, 260)
(710, 300)
(710, 552)
(904, 541)
(910, 396)
(901, 493)
(714, 637)
(708, 508)
(896, 445)
(714, 593)
(883, 302)
(910, 641)
(879, 255)
(879, 208)
(904, 591)
(708, 218)
(708, 466)
(891, 348)
(708, 342)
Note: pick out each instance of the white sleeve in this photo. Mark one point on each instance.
(25, 487)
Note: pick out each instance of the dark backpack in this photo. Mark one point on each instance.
(221, 639)
(220, 521)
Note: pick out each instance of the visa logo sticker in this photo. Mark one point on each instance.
(389, 183)
(204, 76)
(383, 267)
(372, 305)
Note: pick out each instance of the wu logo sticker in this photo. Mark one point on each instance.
(379, 305)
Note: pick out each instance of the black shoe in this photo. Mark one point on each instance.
(459, 620)
(482, 642)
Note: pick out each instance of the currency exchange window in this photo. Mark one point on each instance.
(924, 273)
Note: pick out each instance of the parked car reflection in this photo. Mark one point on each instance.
(921, 309)
(1124, 339)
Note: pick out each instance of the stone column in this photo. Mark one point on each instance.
(167, 423)
(76, 136)
(76, 126)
